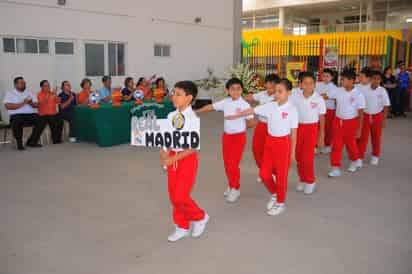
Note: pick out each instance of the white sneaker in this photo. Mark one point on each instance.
(359, 163)
(258, 179)
(272, 202)
(335, 172)
(227, 191)
(72, 140)
(326, 150)
(374, 161)
(317, 151)
(233, 195)
(353, 166)
(309, 188)
(198, 227)
(300, 187)
(178, 234)
(277, 209)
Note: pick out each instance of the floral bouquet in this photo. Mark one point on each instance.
(251, 80)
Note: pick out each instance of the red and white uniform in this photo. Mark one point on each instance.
(327, 88)
(233, 138)
(261, 129)
(181, 178)
(276, 157)
(309, 109)
(345, 124)
(376, 100)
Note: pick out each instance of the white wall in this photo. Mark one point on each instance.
(138, 23)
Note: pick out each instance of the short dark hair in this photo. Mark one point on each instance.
(286, 83)
(18, 78)
(272, 78)
(127, 80)
(329, 71)
(349, 74)
(300, 76)
(105, 78)
(158, 80)
(233, 81)
(42, 82)
(374, 73)
(84, 81)
(366, 71)
(63, 83)
(141, 79)
(308, 74)
(386, 69)
(188, 87)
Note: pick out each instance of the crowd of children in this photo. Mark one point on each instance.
(291, 126)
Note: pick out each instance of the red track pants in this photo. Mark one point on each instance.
(277, 165)
(233, 146)
(344, 133)
(258, 143)
(373, 124)
(307, 137)
(329, 117)
(181, 178)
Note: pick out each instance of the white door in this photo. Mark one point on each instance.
(64, 64)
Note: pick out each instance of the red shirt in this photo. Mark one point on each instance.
(83, 97)
(48, 102)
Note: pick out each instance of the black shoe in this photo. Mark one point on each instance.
(403, 115)
(34, 145)
(20, 147)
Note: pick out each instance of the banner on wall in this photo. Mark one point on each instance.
(175, 133)
(330, 57)
(293, 69)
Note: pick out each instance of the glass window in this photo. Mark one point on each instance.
(64, 48)
(116, 59)
(44, 46)
(94, 59)
(9, 45)
(27, 46)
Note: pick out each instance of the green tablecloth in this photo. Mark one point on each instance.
(108, 126)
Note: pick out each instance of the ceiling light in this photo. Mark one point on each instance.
(409, 20)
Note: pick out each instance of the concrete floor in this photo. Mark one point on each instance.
(80, 209)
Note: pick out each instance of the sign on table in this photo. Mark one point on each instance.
(174, 133)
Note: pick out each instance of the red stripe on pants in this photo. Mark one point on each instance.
(371, 123)
(344, 133)
(232, 150)
(305, 151)
(181, 178)
(277, 165)
(329, 117)
(258, 143)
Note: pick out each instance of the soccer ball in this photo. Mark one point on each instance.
(94, 98)
(138, 95)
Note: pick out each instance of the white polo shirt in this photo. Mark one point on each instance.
(189, 120)
(348, 103)
(296, 90)
(322, 88)
(231, 107)
(376, 100)
(281, 119)
(263, 98)
(17, 97)
(309, 108)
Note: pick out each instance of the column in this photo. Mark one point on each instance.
(237, 30)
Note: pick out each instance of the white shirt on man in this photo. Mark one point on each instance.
(263, 98)
(348, 103)
(322, 88)
(281, 119)
(17, 97)
(376, 100)
(232, 107)
(309, 108)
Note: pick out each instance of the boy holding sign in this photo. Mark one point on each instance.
(182, 166)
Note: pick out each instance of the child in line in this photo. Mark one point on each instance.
(376, 111)
(234, 136)
(261, 129)
(347, 124)
(324, 88)
(182, 168)
(311, 112)
(280, 144)
(364, 80)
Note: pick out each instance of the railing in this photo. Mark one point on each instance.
(353, 27)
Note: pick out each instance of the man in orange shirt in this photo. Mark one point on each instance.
(48, 102)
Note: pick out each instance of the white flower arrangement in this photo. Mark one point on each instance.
(211, 82)
(249, 78)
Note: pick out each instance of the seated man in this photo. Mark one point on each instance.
(67, 104)
(22, 105)
(47, 104)
(106, 91)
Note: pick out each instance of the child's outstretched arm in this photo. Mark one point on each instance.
(207, 108)
(247, 112)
